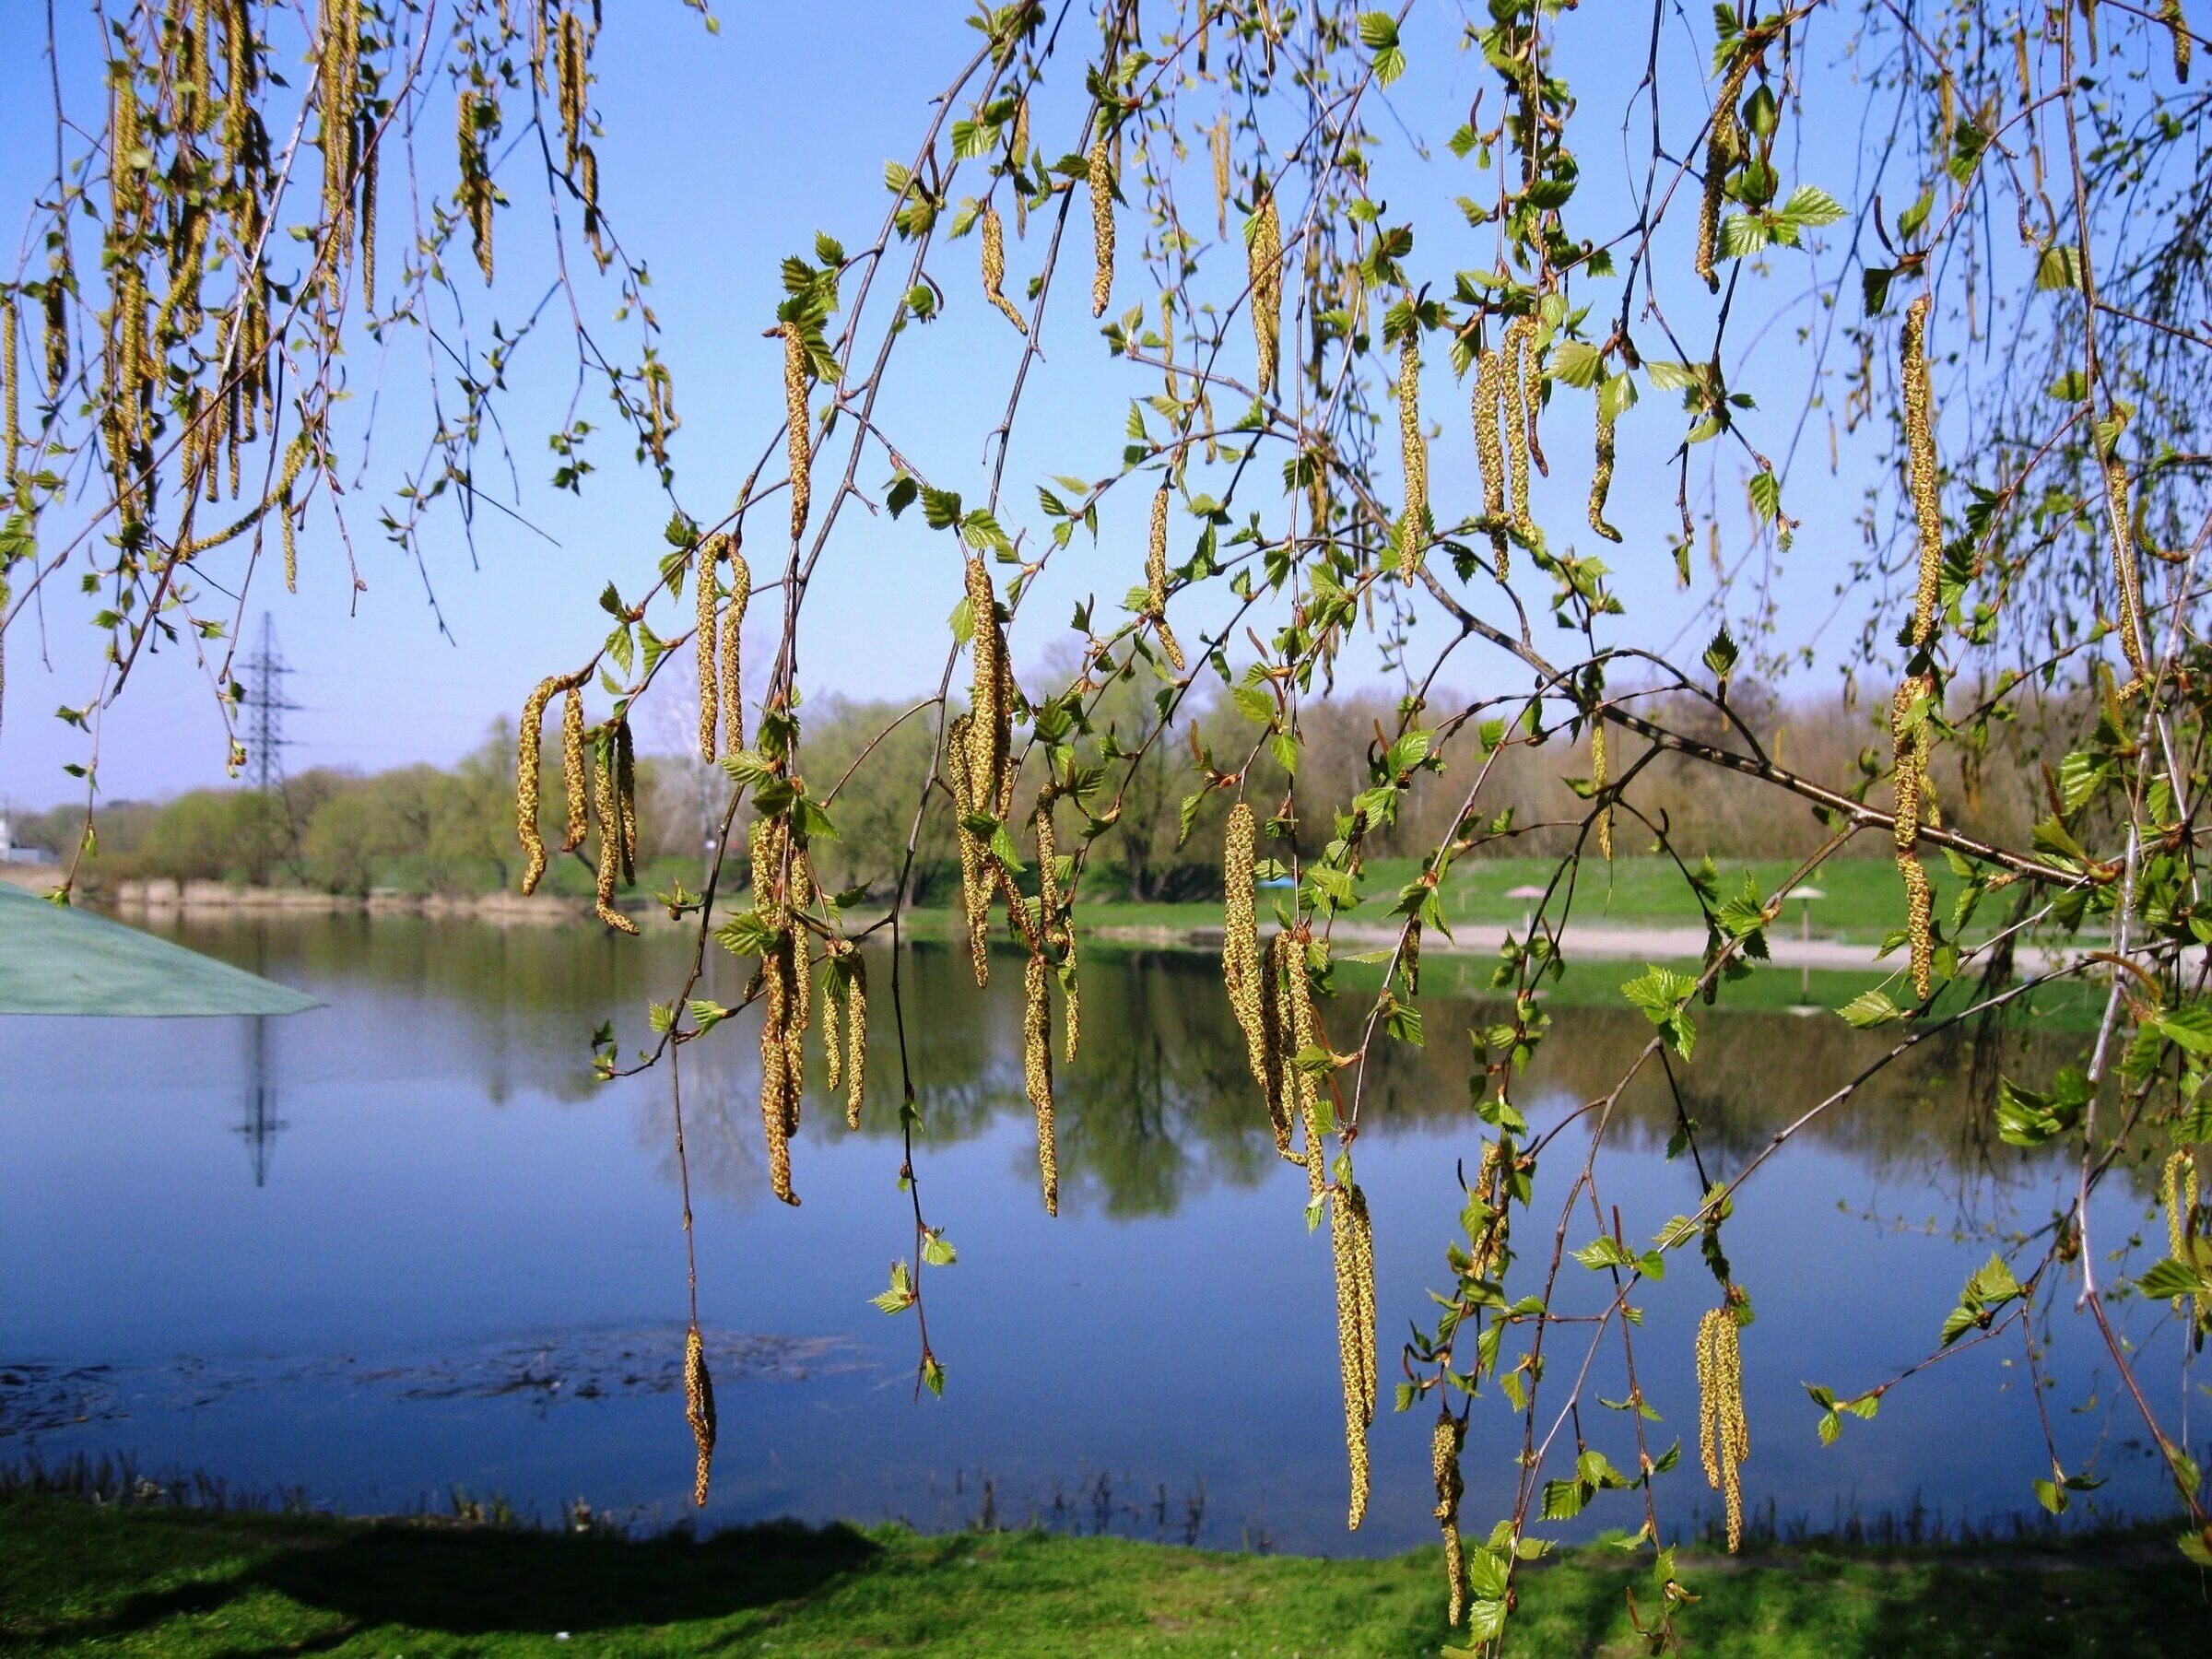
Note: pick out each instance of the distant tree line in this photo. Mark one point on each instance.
(430, 829)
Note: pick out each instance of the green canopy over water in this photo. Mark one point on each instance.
(56, 960)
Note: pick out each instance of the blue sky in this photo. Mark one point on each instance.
(723, 154)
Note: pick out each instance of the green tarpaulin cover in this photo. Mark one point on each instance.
(55, 961)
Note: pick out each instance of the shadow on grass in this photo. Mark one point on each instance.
(482, 1581)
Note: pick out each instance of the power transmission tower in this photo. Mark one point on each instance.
(266, 705)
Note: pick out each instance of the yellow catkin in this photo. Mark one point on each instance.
(2169, 13)
(1920, 470)
(1597, 787)
(1489, 455)
(732, 632)
(1520, 417)
(571, 71)
(699, 1411)
(529, 734)
(1263, 256)
(2178, 1196)
(609, 812)
(1601, 479)
(1021, 159)
(994, 269)
(1055, 911)
(595, 225)
(834, 1030)
(1909, 739)
(2124, 577)
(626, 799)
(1101, 227)
(1302, 1030)
(1721, 156)
(1490, 1192)
(1217, 143)
(1275, 1017)
(1352, 1252)
(12, 440)
(476, 193)
(975, 891)
(856, 1037)
(798, 429)
(802, 983)
(1444, 1446)
(765, 843)
(703, 643)
(368, 209)
(575, 791)
(1167, 344)
(987, 690)
(774, 1064)
(1156, 580)
(1037, 1075)
(1241, 968)
(1725, 1436)
(1071, 998)
(1413, 529)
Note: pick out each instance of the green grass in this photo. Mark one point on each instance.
(1861, 899)
(80, 1578)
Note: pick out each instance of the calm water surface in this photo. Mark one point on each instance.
(401, 1245)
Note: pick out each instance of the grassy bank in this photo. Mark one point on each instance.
(76, 1578)
(1860, 899)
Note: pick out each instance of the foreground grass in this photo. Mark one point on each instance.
(77, 1578)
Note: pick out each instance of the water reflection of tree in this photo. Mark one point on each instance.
(1158, 1106)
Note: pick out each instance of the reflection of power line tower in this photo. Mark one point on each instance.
(262, 1125)
(266, 705)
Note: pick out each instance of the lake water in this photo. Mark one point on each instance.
(401, 1245)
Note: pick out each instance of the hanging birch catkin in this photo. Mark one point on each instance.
(1444, 1446)
(699, 1411)
(798, 427)
(1520, 413)
(1100, 178)
(529, 734)
(732, 635)
(1037, 1075)
(1489, 455)
(994, 270)
(1601, 477)
(575, 791)
(608, 808)
(1413, 528)
(704, 642)
(1723, 1433)
(1264, 260)
(1156, 580)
